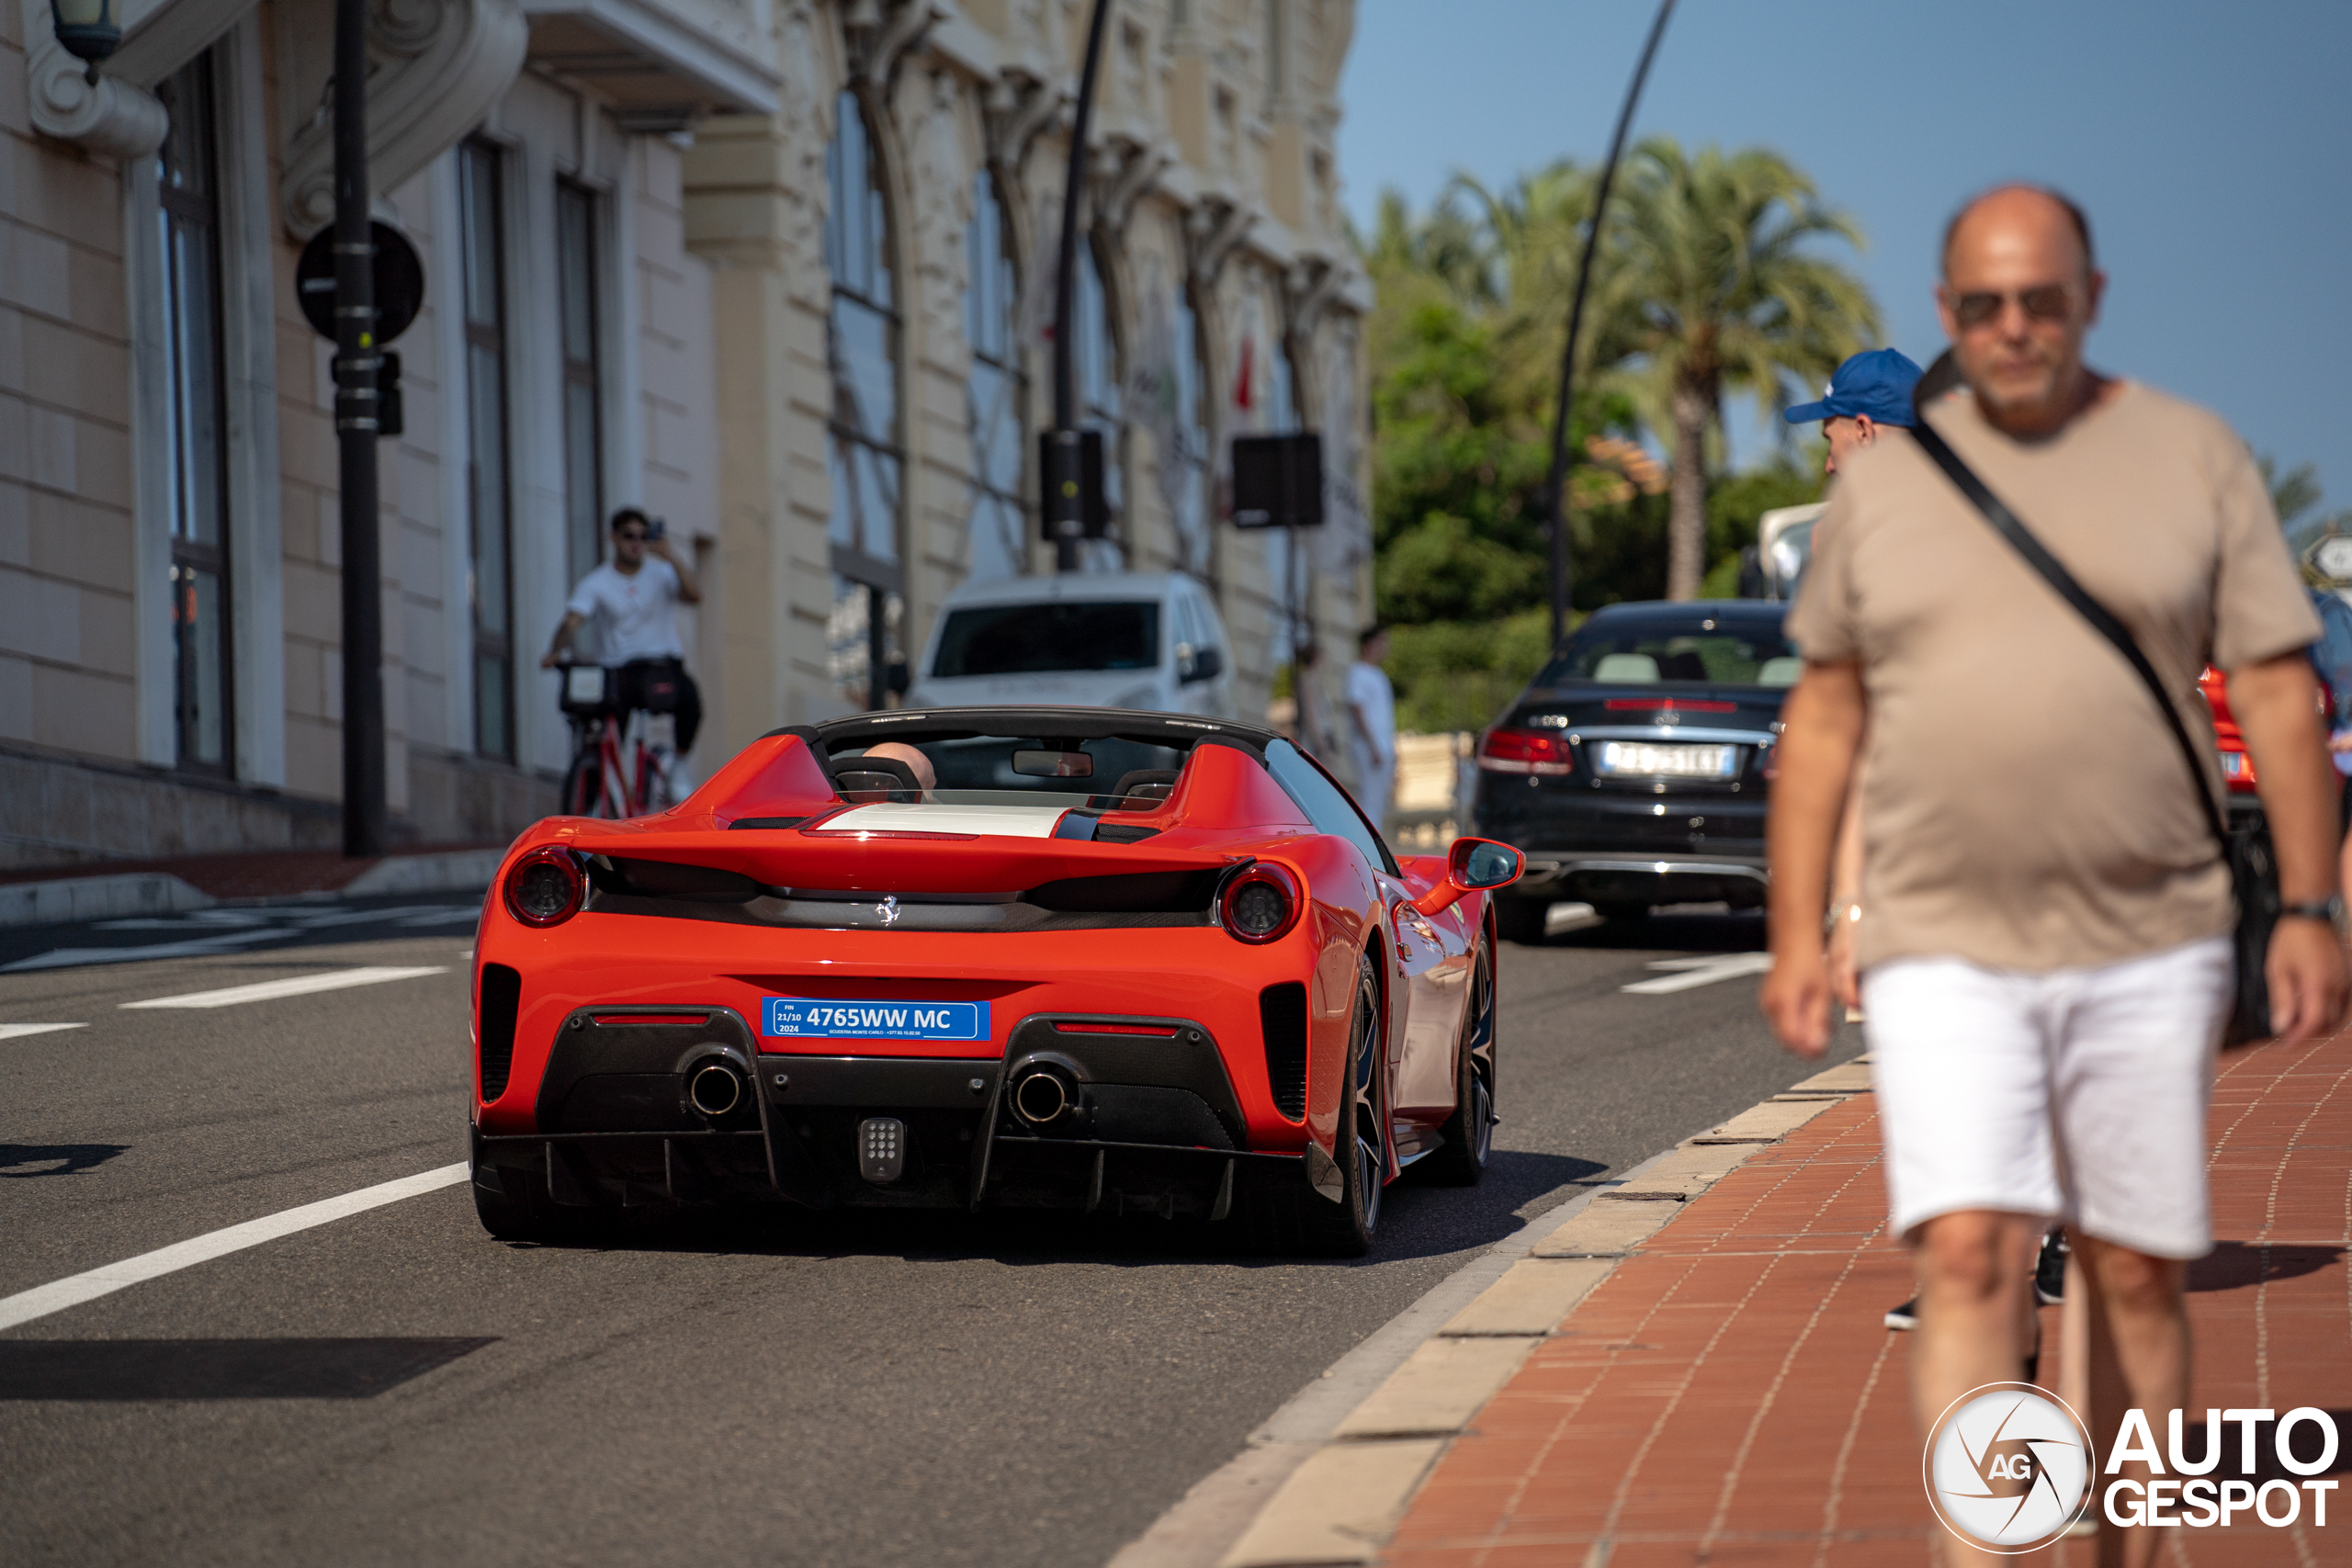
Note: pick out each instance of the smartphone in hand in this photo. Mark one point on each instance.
(658, 529)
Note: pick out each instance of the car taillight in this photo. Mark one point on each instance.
(545, 887)
(1259, 905)
(1525, 751)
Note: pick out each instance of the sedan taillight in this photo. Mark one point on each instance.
(1525, 751)
(1259, 905)
(545, 887)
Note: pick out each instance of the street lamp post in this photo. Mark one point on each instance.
(1555, 498)
(1063, 480)
(356, 425)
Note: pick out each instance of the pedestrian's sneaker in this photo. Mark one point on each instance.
(2050, 1269)
(1906, 1316)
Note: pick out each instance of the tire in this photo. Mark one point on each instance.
(1624, 914)
(1347, 1228)
(1461, 1160)
(1521, 920)
(515, 1212)
(582, 783)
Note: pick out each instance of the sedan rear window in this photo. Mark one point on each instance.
(1028, 639)
(1697, 649)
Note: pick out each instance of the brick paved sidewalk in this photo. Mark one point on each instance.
(1728, 1394)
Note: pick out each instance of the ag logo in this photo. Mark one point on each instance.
(2009, 1467)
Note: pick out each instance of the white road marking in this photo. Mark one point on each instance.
(299, 986)
(18, 1030)
(60, 957)
(1691, 973)
(73, 1291)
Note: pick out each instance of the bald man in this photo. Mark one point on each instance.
(2046, 958)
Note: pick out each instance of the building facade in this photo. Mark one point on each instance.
(779, 272)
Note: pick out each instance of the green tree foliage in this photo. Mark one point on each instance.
(1719, 285)
(1465, 340)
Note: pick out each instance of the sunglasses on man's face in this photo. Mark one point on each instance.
(631, 537)
(2044, 302)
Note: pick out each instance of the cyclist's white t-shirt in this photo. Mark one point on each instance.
(630, 613)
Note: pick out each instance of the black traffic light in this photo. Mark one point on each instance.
(1278, 481)
(1070, 464)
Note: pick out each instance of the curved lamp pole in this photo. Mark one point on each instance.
(1062, 482)
(1556, 500)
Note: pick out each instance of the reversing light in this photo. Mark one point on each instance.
(1259, 905)
(545, 887)
(1525, 751)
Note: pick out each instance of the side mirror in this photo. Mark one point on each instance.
(1208, 664)
(1472, 865)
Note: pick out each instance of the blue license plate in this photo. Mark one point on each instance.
(807, 1018)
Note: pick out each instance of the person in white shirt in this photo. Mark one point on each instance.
(630, 603)
(1372, 727)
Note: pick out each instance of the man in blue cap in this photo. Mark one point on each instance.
(1868, 390)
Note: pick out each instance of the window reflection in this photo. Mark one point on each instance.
(1188, 490)
(865, 456)
(996, 393)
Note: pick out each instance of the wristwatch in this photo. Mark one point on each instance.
(1838, 915)
(2330, 910)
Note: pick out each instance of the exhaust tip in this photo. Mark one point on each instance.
(1041, 1098)
(715, 1089)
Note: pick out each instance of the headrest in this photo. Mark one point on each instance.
(1625, 666)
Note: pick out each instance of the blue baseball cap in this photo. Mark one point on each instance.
(1877, 383)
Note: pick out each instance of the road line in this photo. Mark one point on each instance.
(73, 1291)
(299, 986)
(1731, 966)
(18, 1030)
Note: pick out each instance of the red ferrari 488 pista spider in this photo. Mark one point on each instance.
(1045, 957)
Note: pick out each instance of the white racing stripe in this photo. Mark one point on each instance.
(1693, 972)
(18, 1030)
(299, 986)
(42, 1300)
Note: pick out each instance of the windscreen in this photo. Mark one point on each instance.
(1129, 775)
(1030, 639)
(1696, 649)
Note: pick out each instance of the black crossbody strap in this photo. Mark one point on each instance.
(2005, 522)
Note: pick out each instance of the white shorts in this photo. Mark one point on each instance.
(2079, 1094)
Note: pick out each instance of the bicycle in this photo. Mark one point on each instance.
(614, 771)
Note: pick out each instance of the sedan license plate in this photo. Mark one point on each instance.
(1643, 758)
(807, 1018)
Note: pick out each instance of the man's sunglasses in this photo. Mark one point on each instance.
(2045, 302)
(633, 535)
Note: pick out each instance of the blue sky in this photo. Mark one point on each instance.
(2211, 143)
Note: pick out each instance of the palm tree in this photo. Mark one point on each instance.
(1715, 285)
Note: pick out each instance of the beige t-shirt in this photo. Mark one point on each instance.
(2024, 807)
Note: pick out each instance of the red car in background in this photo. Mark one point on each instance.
(1084, 959)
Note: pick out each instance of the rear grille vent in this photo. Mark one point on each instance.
(502, 990)
(1281, 1012)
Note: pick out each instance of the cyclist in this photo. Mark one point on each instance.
(631, 601)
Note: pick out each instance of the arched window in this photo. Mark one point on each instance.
(862, 349)
(1099, 372)
(997, 392)
(1188, 492)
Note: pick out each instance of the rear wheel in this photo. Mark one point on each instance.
(583, 782)
(1470, 1131)
(1521, 920)
(512, 1211)
(1345, 1229)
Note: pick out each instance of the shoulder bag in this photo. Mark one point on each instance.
(2254, 874)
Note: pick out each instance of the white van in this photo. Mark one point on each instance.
(1129, 640)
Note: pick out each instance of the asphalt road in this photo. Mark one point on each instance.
(396, 1387)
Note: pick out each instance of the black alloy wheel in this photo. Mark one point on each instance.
(1345, 1229)
(1470, 1131)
